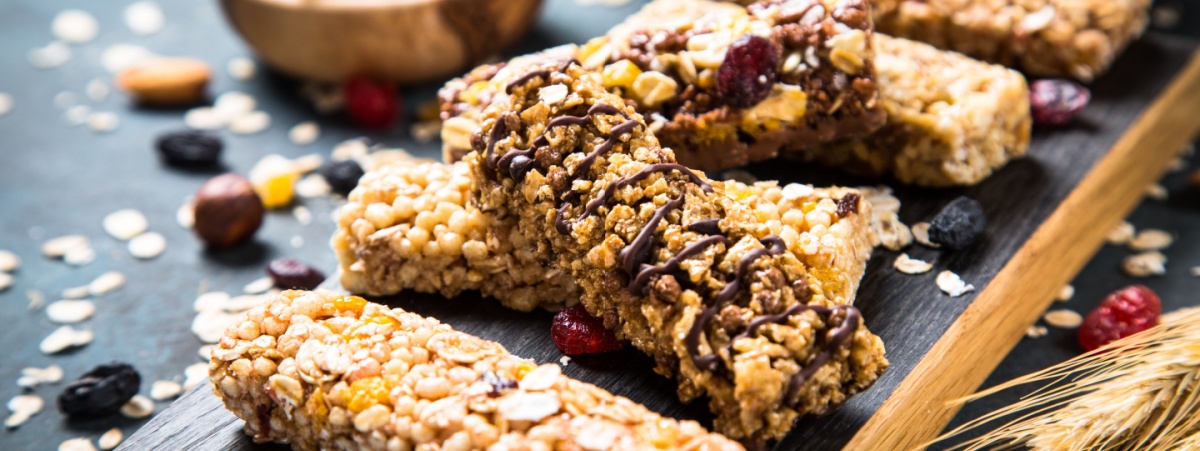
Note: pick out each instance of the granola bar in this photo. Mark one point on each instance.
(715, 292)
(665, 60)
(952, 125)
(318, 370)
(1072, 38)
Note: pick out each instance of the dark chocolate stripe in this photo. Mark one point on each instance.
(497, 133)
(612, 188)
(526, 79)
(518, 162)
(706, 226)
(647, 272)
(837, 337)
(636, 252)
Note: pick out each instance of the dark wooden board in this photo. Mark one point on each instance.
(908, 312)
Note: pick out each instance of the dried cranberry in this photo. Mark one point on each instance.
(292, 274)
(1056, 101)
(371, 103)
(748, 72)
(576, 331)
(100, 391)
(1123, 313)
(960, 223)
(189, 148)
(341, 175)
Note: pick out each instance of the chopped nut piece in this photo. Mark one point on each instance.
(1063, 319)
(1145, 264)
(952, 285)
(908, 265)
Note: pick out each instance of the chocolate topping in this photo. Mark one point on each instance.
(608, 191)
(545, 73)
(706, 226)
(647, 272)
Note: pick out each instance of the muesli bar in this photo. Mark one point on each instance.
(715, 292)
(318, 370)
(1053, 38)
(817, 81)
(954, 124)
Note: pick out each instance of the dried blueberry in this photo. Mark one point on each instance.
(342, 175)
(292, 274)
(189, 148)
(959, 224)
(1055, 101)
(100, 391)
(748, 71)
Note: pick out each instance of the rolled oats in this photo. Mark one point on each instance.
(22, 407)
(70, 312)
(908, 265)
(110, 439)
(304, 133)
(77, 444)
(65, 337)
(147, 245)
(1145, 264)
(953, 285)
(125, 224)
(1065, 293)
(164, 390)
(241, 68)
(1063, 319)
(920, 233)
(32, 377)
(1123, 233)
(53, 55)
(144, 18)
(138, 407)
(74, 26)
(1151, 240)
(107, 282)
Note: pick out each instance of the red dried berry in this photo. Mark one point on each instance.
(1056, 101)
(1123, 313)
(748, 72)
(371, 103)
(576, 331)
(292, 274)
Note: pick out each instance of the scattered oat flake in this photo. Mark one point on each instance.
(241, 68)
(107, 282)
(210, 325)
(125, 224)
(1178, 164)
(242, 303)
(58, 247)
(1036, 331)
(205, 352)
(31, 377)
(6, 281)
(77, 444)
(297, 241)
(1157, 192)
(303, 215)
(79, 256)
(1065, 293)
(426, 131)
(1195, 271)
(103, 121)
(9, 261)
(65, 337)
(1122, 233)
(186, 214)
(1145, 264)
(1063, 319)
(53, 55)
(64, 99)
(259, 286)
(164, 390)
(250, 123)
(6, 103)
(75, 26)
(76, 292)
(920, 232)
(953, 285)
(304, 133)
(564, 360)
(110, 439)
(307, 163)
(36, 298)
(312, 185)
(204, 118)
(194, 375)
(147, 245)
(233, 104)
(69, 311)
(138, 407)
(211, 301)
(1151, 240)
(891, 232)
(22, 407)
(119, 57)
(77, 115)
(908, 265)
(144, 18)
(97, 90)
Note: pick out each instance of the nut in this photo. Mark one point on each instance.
(166, 81)
(228, 211)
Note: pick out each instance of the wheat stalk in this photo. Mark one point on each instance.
(1139, 393)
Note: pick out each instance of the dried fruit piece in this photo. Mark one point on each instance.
(371, 103)
(1123, 313)
(1056, 101)
(289, 273)
(342, 175)
(166, 81)
(748, 71)
(959, 224)
(190, 148)
(576, 331)
(100, 391)
(227, 211)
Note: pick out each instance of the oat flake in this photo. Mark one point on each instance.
(144, 18)
(304, 133)
(77, 444)
(77, 115)
(241, 68)
(74, 26)
(1121, 234)
(233, 104)
(204, 118)
(1195, 271)
(119, 57)
(920, 232)
(1151, 240)
(1065, 293)
(65, 337)
(79, 256)
(97, 90)
(1157, 192)
(1063, 319)
(110, 439)
(259, 286)
(297, 241)
(22, 407)
(125, 224)
(185, 216)
(6, 281)
(31, 377)
(164, 390)
(107, 282)
(6, 103)
(53, 55)
(312, 185)
(59, 247)
(953, 285)
(793, 191)
(64, 99)
(211, 301)
(908, 265)
(147, 245)
(1152, 263)
(1036, 331)
(138, 407)
(210, 325)
(250, 123)
(9, 261)
(205, 352)
(103, 121)
(70, 312)
(194, 375)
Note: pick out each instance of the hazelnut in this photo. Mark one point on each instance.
(228, 211)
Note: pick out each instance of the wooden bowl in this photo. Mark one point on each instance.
(407, 41)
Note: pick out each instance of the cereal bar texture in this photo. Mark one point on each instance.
(952, 125)
(318, 370)
(665, 60)
(1055, 38)
(714, 291)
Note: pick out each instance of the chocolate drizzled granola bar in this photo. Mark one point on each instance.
(665, 60)
(670, 260)
(318, 370)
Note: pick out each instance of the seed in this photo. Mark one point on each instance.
(75, 27)
(77, 444)
(1063, 319)
(1151, 240)
(110, 439)
(342, 176)
(147, 245)
(953, 285)
(908, 265)
(22, 407)
(100, 391)
(290, 273)
(1145, 264)
(125, 224)
(103, 122)
(241, 68)
(59, 247)
(250, 123)
(304, 133)
(959, 224)
(107, 282)
(138, 407)
(164, 390)
(53, 55)
(259, 286)
(920, 233)
(65, 337)
(1056, 102)
(190, 148)
(144, 18)
(70, 312)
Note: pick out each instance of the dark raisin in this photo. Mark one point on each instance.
(292, 274)
(575, 331)
(102, 390)
(342, 175)
(959, 224)
(499, 383)
(189, 148)
(848, 205)
(1055, 101)
(748, 72)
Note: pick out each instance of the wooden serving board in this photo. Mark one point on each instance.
(1048, 214)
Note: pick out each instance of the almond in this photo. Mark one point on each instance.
(166, 81)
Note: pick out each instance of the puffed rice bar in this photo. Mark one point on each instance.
(1055, 38)
(318, 370)
(665, 59)
(714, 291)
(954, 124)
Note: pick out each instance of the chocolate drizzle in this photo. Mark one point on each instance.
(647, 272)
(612, 188)
(706, 226)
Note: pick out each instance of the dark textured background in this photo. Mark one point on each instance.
(56, 179)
